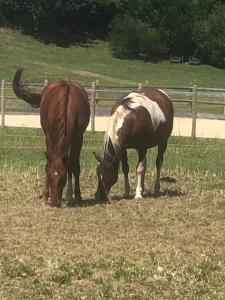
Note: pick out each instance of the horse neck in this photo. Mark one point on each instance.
(114, 159)
(112, 162)
(112, 150)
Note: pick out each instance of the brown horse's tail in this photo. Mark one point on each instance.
(24, 93)
(66, 96)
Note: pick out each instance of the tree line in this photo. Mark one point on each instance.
(148, 29)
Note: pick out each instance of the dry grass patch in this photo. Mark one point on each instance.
(159, 248)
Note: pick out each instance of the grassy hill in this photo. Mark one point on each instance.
(94, 61)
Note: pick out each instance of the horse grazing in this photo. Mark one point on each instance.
(139, 120)
(64, 113)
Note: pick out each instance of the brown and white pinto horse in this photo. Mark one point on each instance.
(139, 120)
(64, 113)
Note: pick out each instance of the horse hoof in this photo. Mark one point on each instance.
(44, 200)
(57, 204)
(71, 203)
(138, 197)
(156, 194)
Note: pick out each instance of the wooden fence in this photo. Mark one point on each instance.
(188, 101)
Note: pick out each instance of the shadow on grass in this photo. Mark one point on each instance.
(170, 193)
(168, 179)
(167, 193)
(164, 193)
(92, 202)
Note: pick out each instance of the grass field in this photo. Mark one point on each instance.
(94, 61)
(170, 247)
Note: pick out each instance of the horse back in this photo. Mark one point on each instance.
(154, 94)
(65, 100)
(143, 124)
(64, 113)
(78, 112)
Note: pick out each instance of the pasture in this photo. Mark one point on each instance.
(94, 61)
(170, 247)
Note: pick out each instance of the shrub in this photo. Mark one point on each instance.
(209, 35)
(129, 39)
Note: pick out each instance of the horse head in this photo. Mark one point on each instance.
(56, 172)
(107, 173)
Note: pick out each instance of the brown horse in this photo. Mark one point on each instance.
(139, 120)
(64, 113)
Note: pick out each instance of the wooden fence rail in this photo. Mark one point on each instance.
(98, 94)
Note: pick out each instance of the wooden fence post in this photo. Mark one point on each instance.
(140, 85)
(96, 94)
(224, 104)
(194, 110)
(3, 103)
(93, 97)
(45, 82)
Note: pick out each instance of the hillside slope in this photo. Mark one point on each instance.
(94, 61)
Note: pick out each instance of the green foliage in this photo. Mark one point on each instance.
(151, 27)
(145, 11)
(176, 26)
(124, 38)
(150, 44)
(130, 38)
(210, 37)
(62, 22)
(13, 268)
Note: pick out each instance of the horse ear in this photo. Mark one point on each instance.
(97, 156)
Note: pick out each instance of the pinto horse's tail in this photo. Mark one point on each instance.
(30, 96)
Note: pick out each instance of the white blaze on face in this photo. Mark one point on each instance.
(137, 100)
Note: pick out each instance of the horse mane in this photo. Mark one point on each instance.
(111, 139)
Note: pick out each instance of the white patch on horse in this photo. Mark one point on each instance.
(140, 176)
(115, 122)
(137, 100)
(163, 92)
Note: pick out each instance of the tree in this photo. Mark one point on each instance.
(176, 26)
(130, 38)
(209, 36)
(62, 22)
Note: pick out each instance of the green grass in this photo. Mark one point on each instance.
(94, 61)
(25, 148)
(170, 247)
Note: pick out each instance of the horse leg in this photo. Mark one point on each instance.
(141, 168)
(46, 195)
(69, 191)
(78, 141)
(159, 162)
(125, 169)
(77, 178)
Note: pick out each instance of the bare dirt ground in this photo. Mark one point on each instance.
(206, 128)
